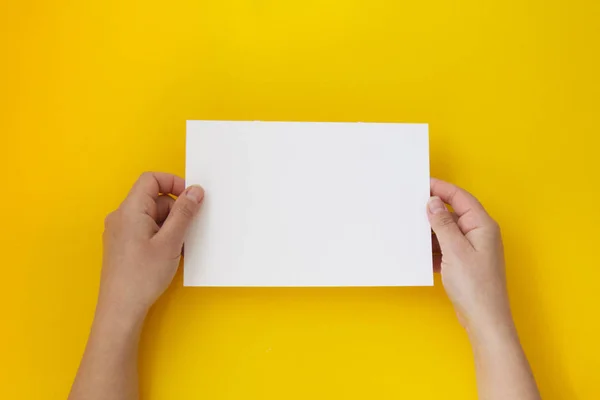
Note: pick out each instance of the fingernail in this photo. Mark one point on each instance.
(436, 205)
(195, 193)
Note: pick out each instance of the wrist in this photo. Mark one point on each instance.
(490, 330)
(118, 318)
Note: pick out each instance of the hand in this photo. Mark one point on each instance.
(143, 240)
(471, 259)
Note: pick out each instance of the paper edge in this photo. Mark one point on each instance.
(431, 281)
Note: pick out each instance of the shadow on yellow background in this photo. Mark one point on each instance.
(95, 92)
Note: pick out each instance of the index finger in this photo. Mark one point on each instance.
(461, 201)
(154, 183)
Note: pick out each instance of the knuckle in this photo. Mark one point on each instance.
(149, 207)
(445, 220)
(185, 210)
(495, 227)
(452, 194)
(146, 175)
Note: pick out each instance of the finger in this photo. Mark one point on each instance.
(446, 229)
(154, 183)
(435, 245)
(471, 213)
(179, 219)
(164, 204)
(158, 209)
(460, 200)
(455, 217)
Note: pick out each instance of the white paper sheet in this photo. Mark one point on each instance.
(309, 204)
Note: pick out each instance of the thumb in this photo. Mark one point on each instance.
(185, 208)
(445, 227)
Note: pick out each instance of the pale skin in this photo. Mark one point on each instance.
(143, 241)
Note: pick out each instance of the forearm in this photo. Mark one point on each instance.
(501, 366)
(108, 369)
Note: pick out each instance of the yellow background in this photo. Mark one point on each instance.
(95, 92)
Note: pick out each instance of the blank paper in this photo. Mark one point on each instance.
(309, 204)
